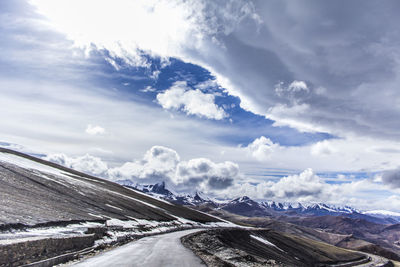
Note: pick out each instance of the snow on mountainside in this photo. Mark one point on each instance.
(283, 206)
(159, 191)
(385, 214)
(245, 206)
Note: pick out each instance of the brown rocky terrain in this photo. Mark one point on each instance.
(265, 247)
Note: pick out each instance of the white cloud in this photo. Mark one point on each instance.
(164, 164)
(297, 86)
(305, 186)
(159, 163)
(391, 203)
(294, 92)
(154, 75)
(322, 148)
(94, 130)
(193, 102)
(207, 85)
(225, 180)
(262, 148)
(159, 27)
(87, 163)
(344, 154)
(206, 174)
(308, 187)
(148, 89)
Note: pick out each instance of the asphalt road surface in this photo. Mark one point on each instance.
(152, 251)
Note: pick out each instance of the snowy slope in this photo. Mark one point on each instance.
(34, 191)
(384, 214)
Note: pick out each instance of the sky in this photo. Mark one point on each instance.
(277, 100)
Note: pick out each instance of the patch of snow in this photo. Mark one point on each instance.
(156, 196)
(42, 170)
(135, 199)
(94, 215)
(114, 207)
(29, 164)
(123, 224)
(262, 240)
(50, 178)
(45, 232)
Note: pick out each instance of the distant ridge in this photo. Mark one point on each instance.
(246, 206)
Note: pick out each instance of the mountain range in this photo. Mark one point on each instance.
(375, 232)
(248, 207)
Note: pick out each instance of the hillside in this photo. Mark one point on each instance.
(36, 191)
(47, 210)
(264, 247)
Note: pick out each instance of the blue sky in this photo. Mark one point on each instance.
(194, 75)
(229, 100)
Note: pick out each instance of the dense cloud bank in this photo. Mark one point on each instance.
(160, 164)
(224, 180)
(316, 66)
(86, 163)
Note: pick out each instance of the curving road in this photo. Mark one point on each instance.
(374, 261)
(167, 250)
(152, 251)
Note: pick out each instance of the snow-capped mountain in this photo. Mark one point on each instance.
(159, 190)
(246, 206)
(384, 214)
(308, 207)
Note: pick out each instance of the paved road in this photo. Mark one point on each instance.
(375, 261)
(152, 251)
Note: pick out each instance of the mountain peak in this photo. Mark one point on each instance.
(159, 185)
(198, 197)
(244, 198)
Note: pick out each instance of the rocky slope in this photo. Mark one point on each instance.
(47, 210)
(264, 247)
(34, 191)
